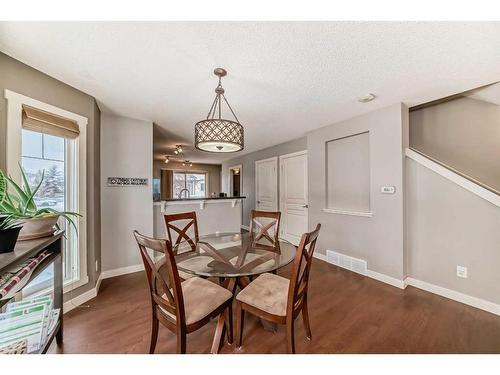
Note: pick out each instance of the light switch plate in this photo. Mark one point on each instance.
(462, 272)
(388, 189)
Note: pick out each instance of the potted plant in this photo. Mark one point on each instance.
(9, 227)
(19, 204)
(9, 232)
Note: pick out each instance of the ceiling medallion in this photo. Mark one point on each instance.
(216, 134)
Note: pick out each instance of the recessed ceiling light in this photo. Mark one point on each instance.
(366, 98)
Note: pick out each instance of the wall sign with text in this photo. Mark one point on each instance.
(127, 181)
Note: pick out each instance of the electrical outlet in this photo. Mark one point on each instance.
(96, 265)
(462, 272)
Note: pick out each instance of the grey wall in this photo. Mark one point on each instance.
(248, 171)
(127, 151)
(464, 134)
(348, 173)
(379, 239)
(213, 170)
(25, 80)
(450, 226)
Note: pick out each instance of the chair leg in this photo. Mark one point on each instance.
(290, 340)
(228, 321)
(154, 334)
(181, 341)
(305, 317)
(240, 318)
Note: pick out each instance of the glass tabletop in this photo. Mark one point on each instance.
(232, 255)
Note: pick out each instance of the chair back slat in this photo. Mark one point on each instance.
(301, 268)
(163, 276)
(260, 230)
(188, 220)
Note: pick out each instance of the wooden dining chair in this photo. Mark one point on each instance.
(189, 221)
(181, 307)
(277, 299)
(260, 230)
(187, 231)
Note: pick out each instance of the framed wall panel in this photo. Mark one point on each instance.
(348, 173)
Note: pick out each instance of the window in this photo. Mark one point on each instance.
(51, 156)
(195, 183)
(43, 137)
(156, 189)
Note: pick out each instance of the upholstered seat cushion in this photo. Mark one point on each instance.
(184, 275)
(267, 292)
(201, 297)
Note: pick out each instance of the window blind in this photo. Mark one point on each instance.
(48, 123)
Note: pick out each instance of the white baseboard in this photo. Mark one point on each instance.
(443, 292)
(82, 298)
(88, 295)
(369, 273)
(319, 256)
(454, 295)
(386, 279)
(122, 271)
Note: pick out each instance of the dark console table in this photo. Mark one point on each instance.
(28, 249)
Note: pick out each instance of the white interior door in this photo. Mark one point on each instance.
(266, 186)
(293, 196)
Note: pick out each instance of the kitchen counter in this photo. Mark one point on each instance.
(219, 214)
(198, 199)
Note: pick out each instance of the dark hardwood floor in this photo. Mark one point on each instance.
(349, 313)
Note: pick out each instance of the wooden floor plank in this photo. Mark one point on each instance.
(349, 313)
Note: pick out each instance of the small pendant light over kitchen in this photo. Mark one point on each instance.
(216, 134)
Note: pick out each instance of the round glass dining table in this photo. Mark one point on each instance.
(232, 255)
(233, 258)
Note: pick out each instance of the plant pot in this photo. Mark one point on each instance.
(8, 239)
(38, 227)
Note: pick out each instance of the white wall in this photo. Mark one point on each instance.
(126, 151)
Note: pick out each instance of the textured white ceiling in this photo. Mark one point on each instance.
(285, 78)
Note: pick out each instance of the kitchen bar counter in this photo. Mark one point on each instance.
(198, 199)
(220, 214)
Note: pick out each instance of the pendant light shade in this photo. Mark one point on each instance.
(216, 134)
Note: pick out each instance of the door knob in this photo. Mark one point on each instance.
(305, 206)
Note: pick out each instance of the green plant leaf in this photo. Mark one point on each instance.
(22, 197)
(30, 204)
(65, 214)
(26, 185)
(3, 186)
(7, 208)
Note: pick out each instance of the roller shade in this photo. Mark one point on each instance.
(48, 123)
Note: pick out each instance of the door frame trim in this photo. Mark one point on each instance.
(280, 198)
(230, 182)
(275, 159)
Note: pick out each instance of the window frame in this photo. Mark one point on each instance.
(186, 172)
(78, 147)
